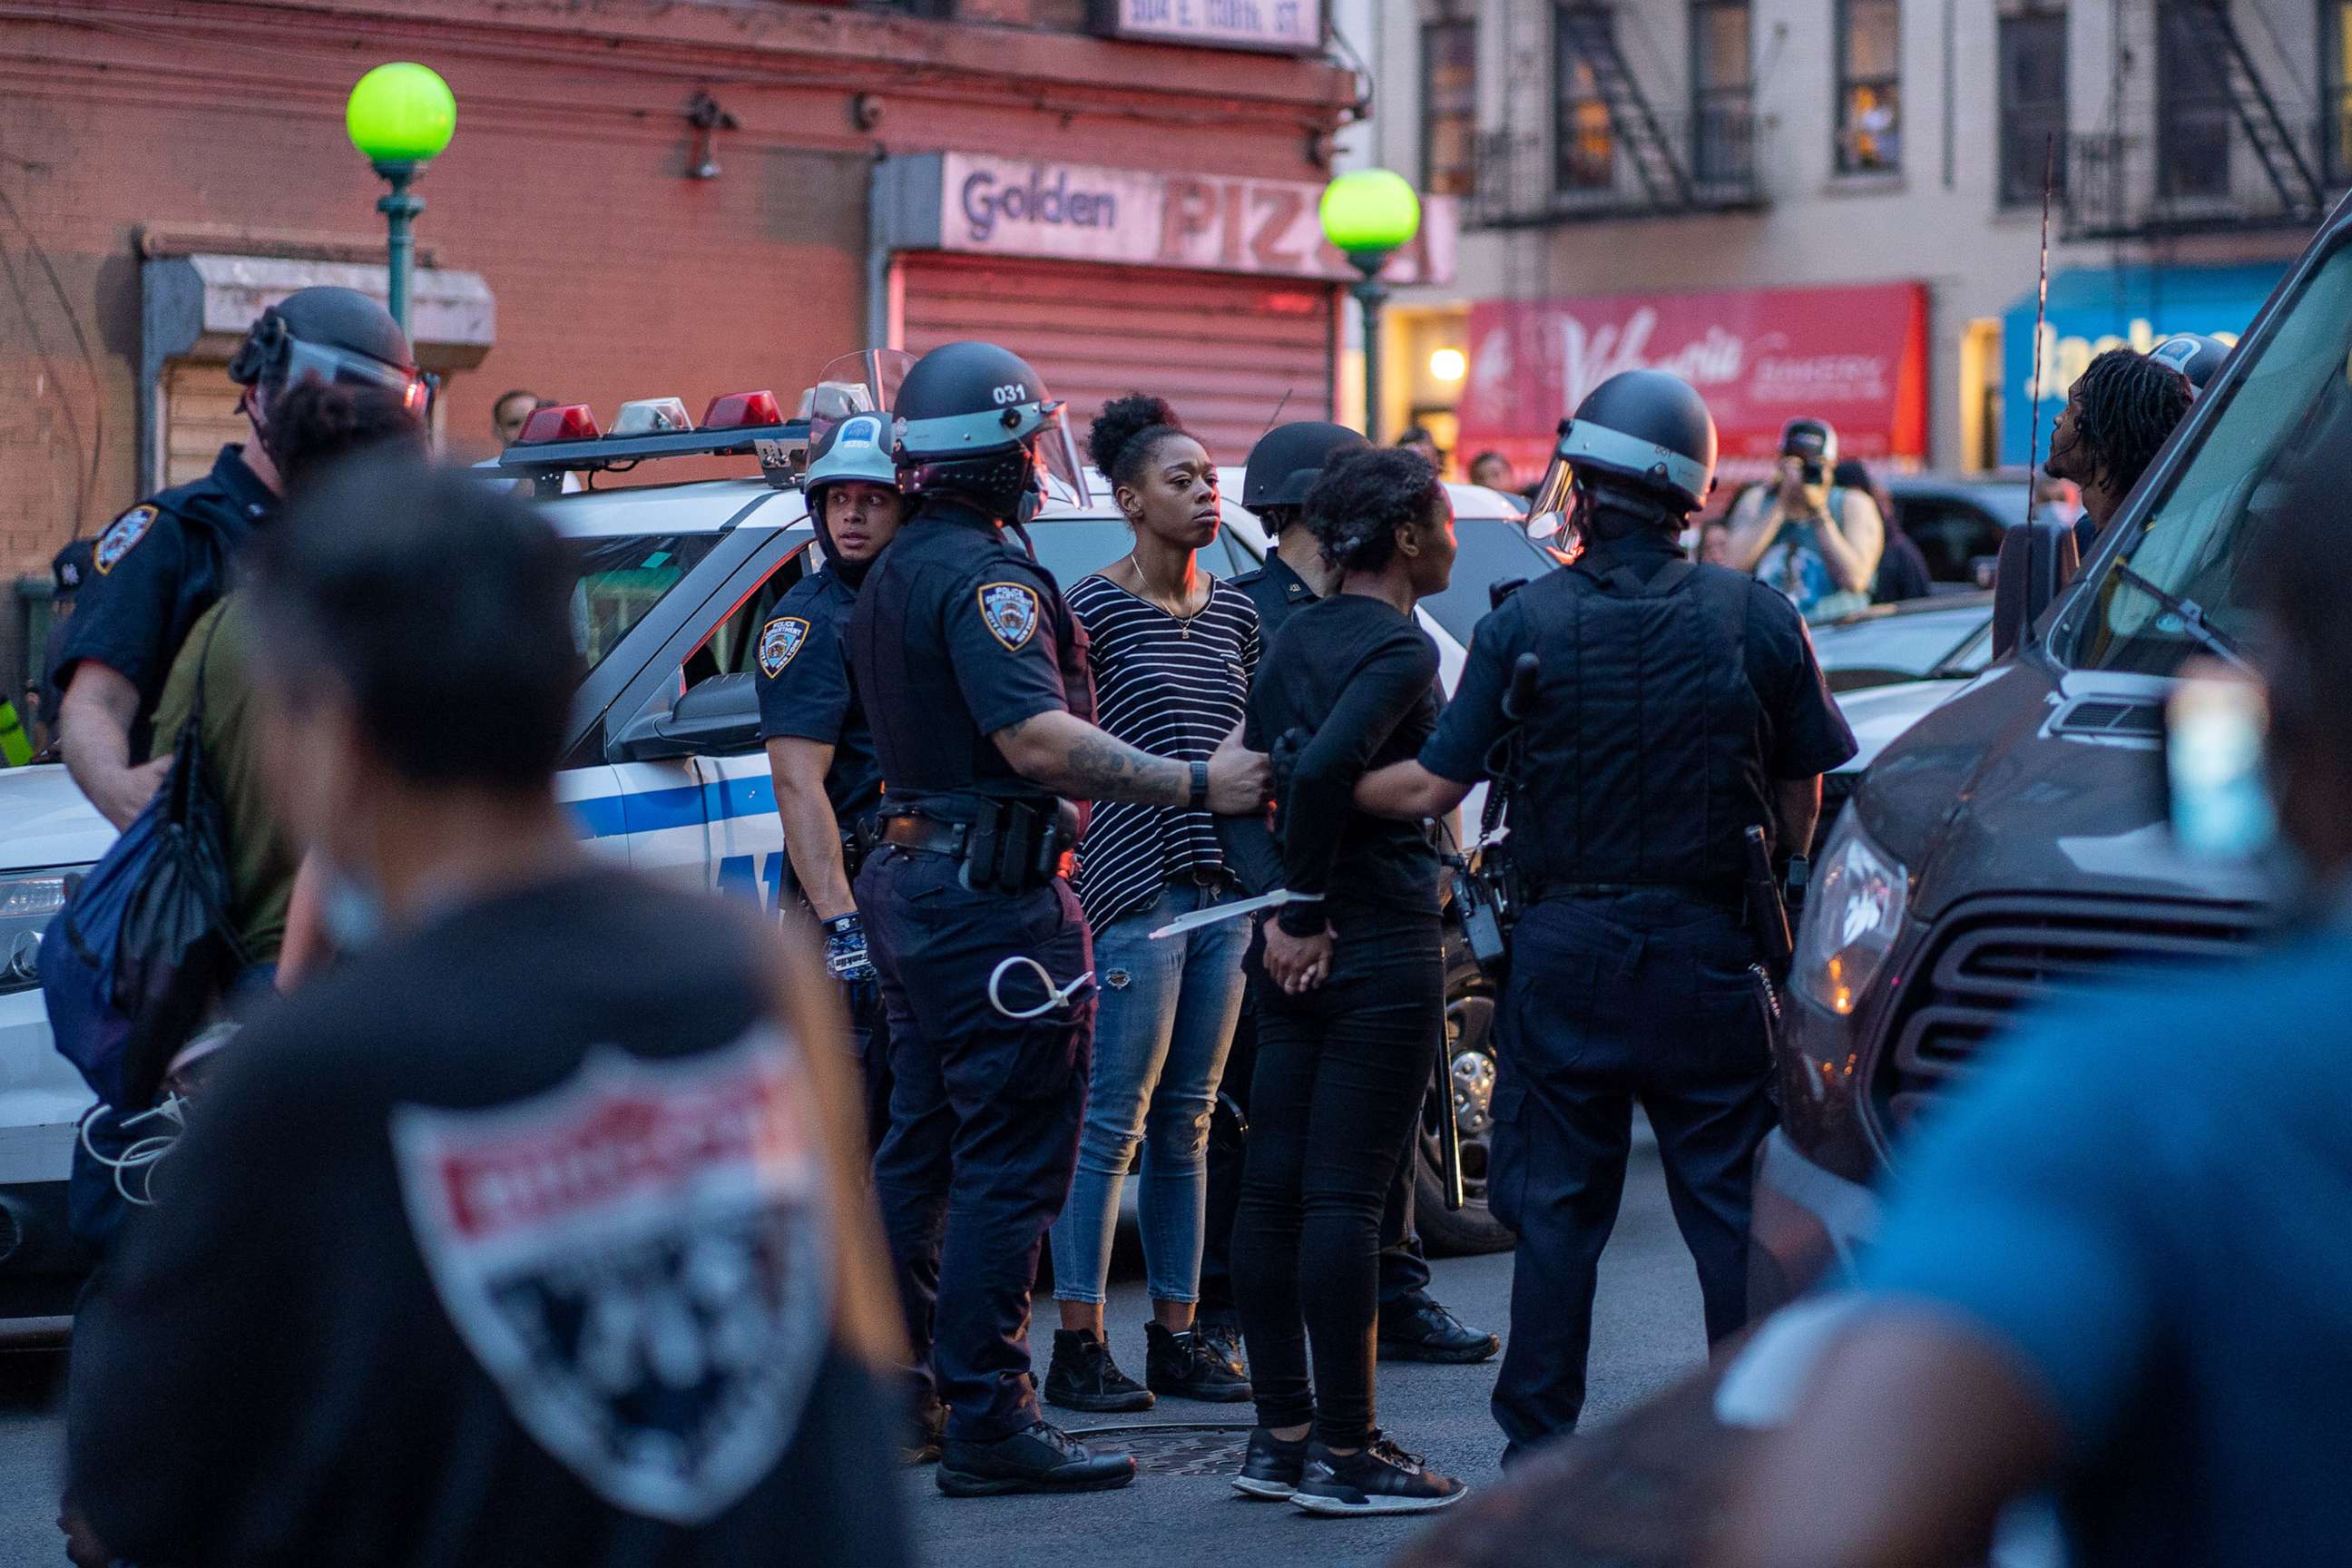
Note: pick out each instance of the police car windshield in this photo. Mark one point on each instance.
(622, 578)
(1493, 550)
(2280, 446)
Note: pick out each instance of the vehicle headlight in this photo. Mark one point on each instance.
(1851, 918)
(29, 902)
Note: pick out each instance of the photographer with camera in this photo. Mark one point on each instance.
(1815, 541)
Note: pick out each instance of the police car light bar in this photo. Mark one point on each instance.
(558, 422)
(648, 415)
(735, 410)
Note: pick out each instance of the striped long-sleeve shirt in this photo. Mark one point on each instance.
(1174, 688)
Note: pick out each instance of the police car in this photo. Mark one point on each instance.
(663, 765)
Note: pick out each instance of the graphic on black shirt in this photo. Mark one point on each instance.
(639, 1259)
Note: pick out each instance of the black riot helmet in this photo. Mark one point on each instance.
(974, 420)
(2194, 354)
(1643, 436)
(1288, 460)
(334, 334)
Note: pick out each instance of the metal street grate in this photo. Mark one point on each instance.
(1173, 1448)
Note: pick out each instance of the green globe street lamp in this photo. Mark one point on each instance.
(401, 116)
(1369, 216)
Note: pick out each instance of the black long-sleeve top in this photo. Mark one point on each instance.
(1360, 678)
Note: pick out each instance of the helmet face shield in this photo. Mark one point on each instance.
(1548, 512)
(1060, 471)
(299, 362)
(865, 382)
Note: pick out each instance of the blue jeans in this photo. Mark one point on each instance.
(1166, 1020)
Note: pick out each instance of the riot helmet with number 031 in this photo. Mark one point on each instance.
(975, 420)
(1645, 431)
(334, 335)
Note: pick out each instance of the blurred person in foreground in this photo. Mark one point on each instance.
(487, 1249)
(2115, 1267)
(2119, 413)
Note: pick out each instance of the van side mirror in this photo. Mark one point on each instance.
(2037, 561)
(719, 717)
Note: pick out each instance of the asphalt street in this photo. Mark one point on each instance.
(1182, 1509)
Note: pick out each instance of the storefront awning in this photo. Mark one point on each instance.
(1856, 357)
(2094, 309)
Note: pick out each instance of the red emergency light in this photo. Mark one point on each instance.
(565, 422)
(737, 410)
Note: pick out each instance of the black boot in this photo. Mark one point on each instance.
(1415, 1328)
(1185, 1366)
(1041, 1459)
(1221, 1332)
(1084, 1377)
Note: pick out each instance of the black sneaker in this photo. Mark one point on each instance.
(1271, 1468)
(1039, 1458)
(1415, 1328)
(1221, 1332)
(1184, 1367)
(1380, 1477)
(1084, 1377)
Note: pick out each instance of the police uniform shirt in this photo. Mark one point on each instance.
(433, 1286)
(156, 569)
(1277, 591)
(1578, 776)
(806, 694)
(957, 635)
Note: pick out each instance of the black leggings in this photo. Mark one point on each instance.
(1341, 1073)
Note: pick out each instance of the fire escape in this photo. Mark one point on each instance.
(2211, 151)
(1607, 151)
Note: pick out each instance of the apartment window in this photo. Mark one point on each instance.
(1870, 87)
(2335, 89)
(1722, 91)
(2192, 125)
(1449, 107)
(2032, 47)
(1585, 147)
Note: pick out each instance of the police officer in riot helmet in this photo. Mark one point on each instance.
(973, 673)
(161, 564)
(820, 750)
(2197, 355)
(1672, 706)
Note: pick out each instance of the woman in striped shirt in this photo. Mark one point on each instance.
(1172, 651)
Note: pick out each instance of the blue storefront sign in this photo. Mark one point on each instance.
(2092, 310)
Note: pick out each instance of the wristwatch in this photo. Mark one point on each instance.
(1199, 801)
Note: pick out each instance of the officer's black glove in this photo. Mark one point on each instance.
(844, 950)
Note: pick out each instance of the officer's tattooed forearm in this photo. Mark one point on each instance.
(1102, 768)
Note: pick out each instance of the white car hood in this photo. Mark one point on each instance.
(1877, 714)
(46, 821)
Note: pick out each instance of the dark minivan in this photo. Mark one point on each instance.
(2014, 843)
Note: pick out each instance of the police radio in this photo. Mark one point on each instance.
(1486, 890)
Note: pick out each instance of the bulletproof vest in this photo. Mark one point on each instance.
(1645, 743)
(930, 748)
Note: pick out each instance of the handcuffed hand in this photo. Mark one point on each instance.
(1297, 963)
(846, 958)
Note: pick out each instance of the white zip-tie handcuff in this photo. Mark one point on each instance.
(1055, 996)
(143, 1153)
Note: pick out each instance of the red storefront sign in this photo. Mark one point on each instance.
(1856, 357)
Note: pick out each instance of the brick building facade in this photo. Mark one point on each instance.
(166, 164)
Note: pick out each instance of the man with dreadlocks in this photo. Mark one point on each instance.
(2117, 416)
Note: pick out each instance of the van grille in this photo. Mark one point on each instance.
(2123, 720)
(1987, 958)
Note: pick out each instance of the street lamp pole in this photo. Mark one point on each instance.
(1370, 295)
(1370, 215)
(400, 116)
(401, 207)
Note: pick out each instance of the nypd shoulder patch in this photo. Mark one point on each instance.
(120, 534)
(782, 639)
(1010, 611)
